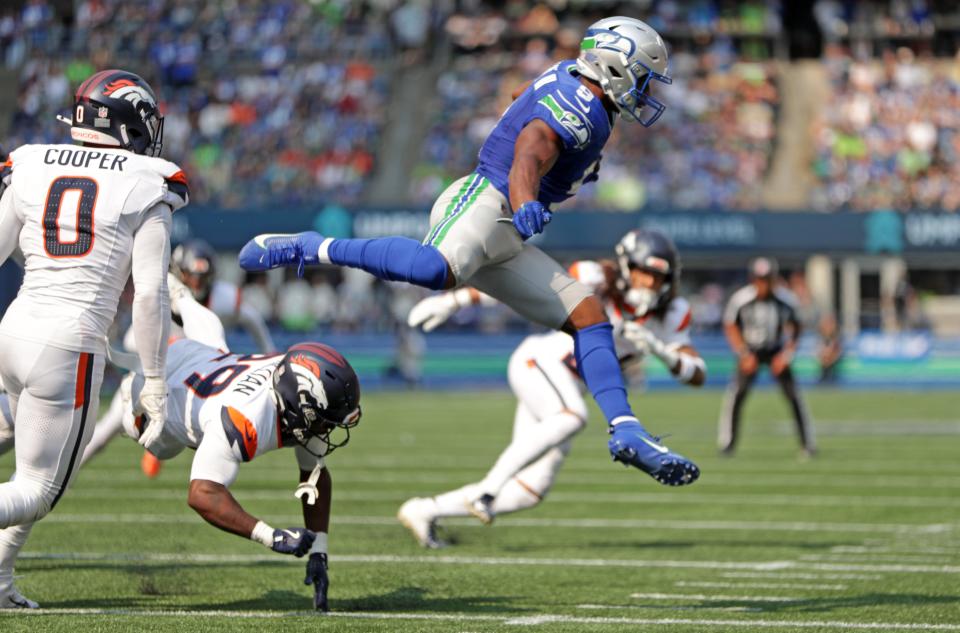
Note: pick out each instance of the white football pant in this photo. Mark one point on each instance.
(54, 396)
(550, 411)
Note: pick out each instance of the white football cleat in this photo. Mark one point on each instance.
(12, 599)
(416, 517)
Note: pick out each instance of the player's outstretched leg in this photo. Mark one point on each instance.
(532, 439)
(597, 362)
(387, 258)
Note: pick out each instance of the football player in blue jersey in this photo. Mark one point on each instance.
(546, 144)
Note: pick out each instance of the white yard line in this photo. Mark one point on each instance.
(757, 585)
(503, 561)
(776, 575)
(733, 526)
(718, 481)
(711, 598)
(684, 498)
(516, 620)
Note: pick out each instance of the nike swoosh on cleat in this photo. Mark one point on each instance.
(261, 239)
(655, 446)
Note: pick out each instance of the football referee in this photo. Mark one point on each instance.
(761, 325)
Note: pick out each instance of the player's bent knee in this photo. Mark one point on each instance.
(588, 312)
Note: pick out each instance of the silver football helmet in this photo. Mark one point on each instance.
(653, 252)
(623, 55)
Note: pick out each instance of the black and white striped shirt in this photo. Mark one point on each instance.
(761, 321)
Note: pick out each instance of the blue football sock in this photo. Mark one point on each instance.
(392, 259)
(600, 369)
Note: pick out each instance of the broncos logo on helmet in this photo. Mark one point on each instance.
(317, 393)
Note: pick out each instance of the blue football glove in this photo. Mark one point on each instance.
(296, 541)
(631, 444)
(530, 219)
(317, 576)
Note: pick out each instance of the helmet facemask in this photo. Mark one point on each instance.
(611, 59)
(655, 254)
(305, 415)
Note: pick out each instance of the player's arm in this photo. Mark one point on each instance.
(316, 517)
(214, 469)
(435, 310)
(250, 320)
(151, 313)
(678, 354)
(687, 366)
(536, 150)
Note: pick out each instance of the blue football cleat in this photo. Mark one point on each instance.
(634, 446)
(273, 250)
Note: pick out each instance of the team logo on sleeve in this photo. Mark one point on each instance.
(240, 432)
(569, 121)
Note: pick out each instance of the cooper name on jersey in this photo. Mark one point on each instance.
(84, 158)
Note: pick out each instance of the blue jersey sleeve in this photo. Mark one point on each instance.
(563, 103)
(563, 117)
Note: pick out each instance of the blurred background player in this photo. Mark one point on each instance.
(761, 325)
(639, 292)
(232, 408)
(195, 263)
(84, 217)
(545, 145)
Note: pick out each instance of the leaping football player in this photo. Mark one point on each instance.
(640, 294)
(545, 145)
(84, 216)
(231, 409)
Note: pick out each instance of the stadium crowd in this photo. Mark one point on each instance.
(890, 136)
(240, 80)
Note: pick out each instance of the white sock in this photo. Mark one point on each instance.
(454, 503)
(322, 253)
(11, 541)
(107, 427)
(529, 447)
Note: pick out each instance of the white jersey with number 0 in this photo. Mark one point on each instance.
(80, 208)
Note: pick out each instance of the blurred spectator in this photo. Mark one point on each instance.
(268, 101)
(257, 294)
(890, 135)
(295, 304)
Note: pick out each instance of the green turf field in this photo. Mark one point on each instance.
(867, 537)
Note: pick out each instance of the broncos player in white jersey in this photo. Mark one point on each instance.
(231, 409)
(83, 216)
(193, 281)
(544, 146)
(640, 295)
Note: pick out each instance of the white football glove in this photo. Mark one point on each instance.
(648, 343)
(153, 405)
(434, 311)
